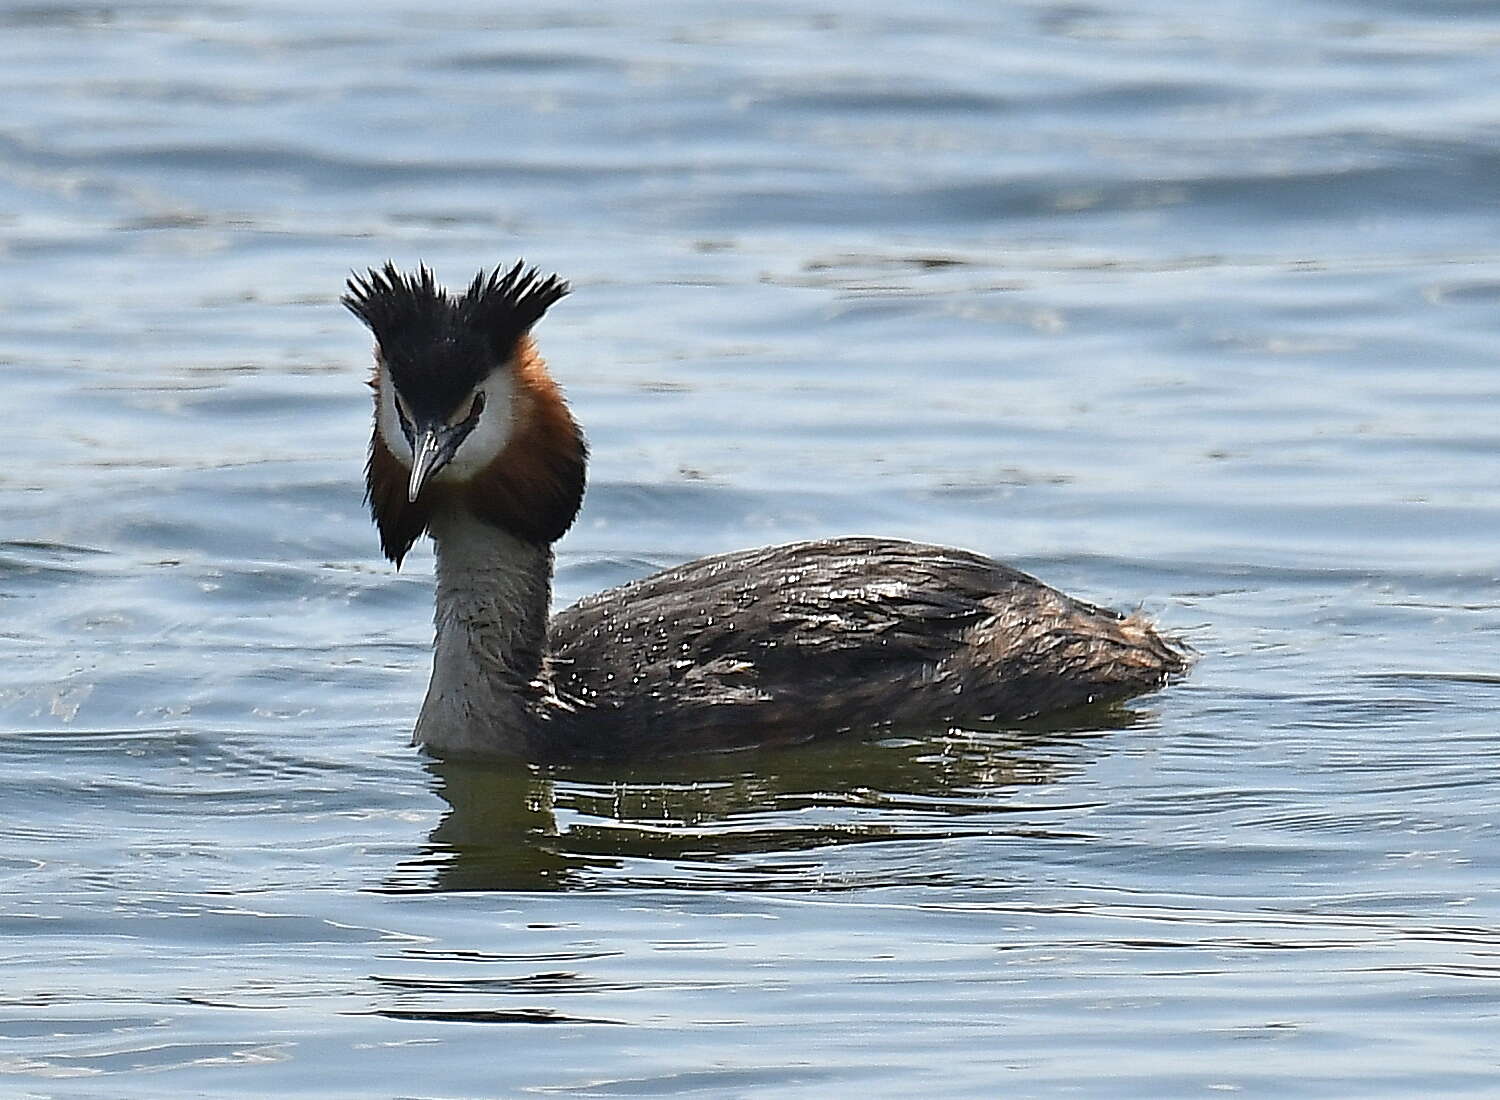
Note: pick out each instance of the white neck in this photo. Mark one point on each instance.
(493, 592)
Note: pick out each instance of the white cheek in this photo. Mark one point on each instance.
(390, 422)
(488, 439)
(481, 447)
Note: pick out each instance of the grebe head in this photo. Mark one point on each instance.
(465, 413)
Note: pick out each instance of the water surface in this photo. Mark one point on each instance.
(1184, 307)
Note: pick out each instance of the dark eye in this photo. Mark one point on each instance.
(401, 416)
(478, 405)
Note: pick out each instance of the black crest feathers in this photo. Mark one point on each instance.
(506, 306)
(437, 346)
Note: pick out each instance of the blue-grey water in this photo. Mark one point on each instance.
(1181, 306)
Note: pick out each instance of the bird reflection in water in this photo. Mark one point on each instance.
(750, 820)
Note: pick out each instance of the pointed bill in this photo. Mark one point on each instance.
(429, 455)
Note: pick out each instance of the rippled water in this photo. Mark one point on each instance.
(1184, 306)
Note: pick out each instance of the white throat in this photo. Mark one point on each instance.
(493, 594)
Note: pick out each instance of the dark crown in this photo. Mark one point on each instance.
(438, 347)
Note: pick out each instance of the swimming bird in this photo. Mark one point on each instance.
(474, 445)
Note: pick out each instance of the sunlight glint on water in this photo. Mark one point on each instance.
(1185, 307)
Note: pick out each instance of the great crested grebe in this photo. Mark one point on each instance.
(474, 445)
